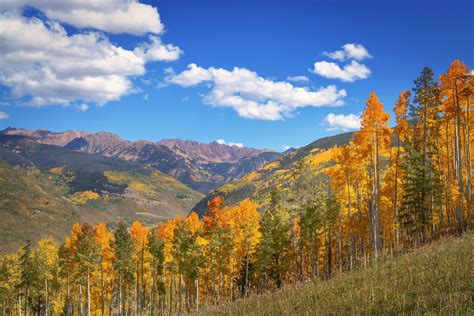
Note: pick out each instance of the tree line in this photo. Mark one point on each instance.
(388, 190)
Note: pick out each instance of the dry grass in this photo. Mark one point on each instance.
(436, 279)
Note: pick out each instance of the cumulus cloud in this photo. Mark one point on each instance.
(349, 51)
(155, 50)
(343, 122)
(223, 142)
(252, 96)
(43, 65)
(116, 16)
(3, 115)
(350, 73)
(297, 78)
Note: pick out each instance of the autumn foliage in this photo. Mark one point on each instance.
(388, 190)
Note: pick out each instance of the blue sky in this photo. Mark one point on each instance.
(270, 41)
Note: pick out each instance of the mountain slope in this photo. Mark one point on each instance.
(67, 186)
(259, 183)
(33, 206)
(434, 280)
(202, 167)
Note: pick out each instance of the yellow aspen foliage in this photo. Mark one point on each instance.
(83, 197)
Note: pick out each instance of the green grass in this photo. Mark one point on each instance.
(434, 280)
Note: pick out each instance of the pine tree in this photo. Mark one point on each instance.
(421, 183)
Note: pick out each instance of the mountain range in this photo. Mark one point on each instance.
(202, 167)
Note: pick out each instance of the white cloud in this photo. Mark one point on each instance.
(286, 147)
(349, 73)
(43, 65)
(297, 78)
(82, 107)
(4, 115)
(223, 142)
(190, 77)
(338, 55)
(115, 16)
(349, 51)
(157, 51)
(342, 122)
(252, 96)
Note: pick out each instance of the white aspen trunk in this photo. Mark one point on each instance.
(81, 311)
(351, 255)
(220, 285)
(68, 295)
(468, 157)
(88, 294)
(102, 294)
(459, 216)
(395, 195)
(196, 293)
(376, 208)
(19, 303)
(121, 307)
(47, 297)
(137, 290)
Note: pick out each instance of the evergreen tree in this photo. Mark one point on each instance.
(421, 182)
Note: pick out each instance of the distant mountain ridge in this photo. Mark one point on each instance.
(44, 136)
(210, 153)
(202, 167)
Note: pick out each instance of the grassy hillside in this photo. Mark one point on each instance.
(36, 204)
(437, 279)
(88, 172)
(256, 185)
(33, 206)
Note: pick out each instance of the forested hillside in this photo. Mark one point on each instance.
(281, 173)
(320, 212)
